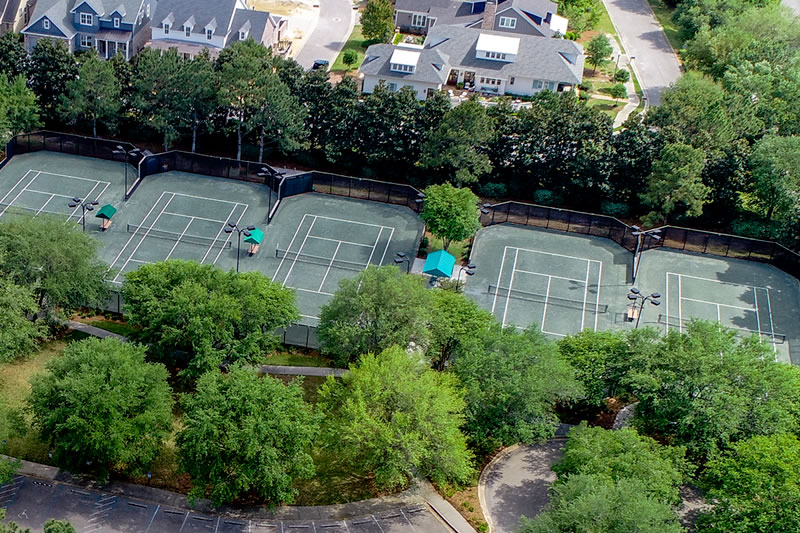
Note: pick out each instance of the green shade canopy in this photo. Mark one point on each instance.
(440, 264)
(107, 211)
(256, 236)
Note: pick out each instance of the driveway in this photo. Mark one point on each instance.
(515, 484)
(333, 27)
(656, 64)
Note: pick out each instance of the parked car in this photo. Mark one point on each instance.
(320, 64)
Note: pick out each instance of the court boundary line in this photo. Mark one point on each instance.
(37, 174)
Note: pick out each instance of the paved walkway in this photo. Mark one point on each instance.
(302, 370)
(515, 484)
(656, 64)
(336, 20)
(93, 331)
(633, 98)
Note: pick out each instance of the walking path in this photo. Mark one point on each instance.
(94, 331)
(633, 98)
(302, 370)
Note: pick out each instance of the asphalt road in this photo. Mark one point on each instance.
(334, 26)
(516, 484)
(31, 502)
(656, 65)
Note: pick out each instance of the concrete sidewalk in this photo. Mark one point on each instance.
(93, 331)
(302, 370)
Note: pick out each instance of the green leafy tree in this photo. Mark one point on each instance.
(380, 307)
(456, 148)
(618, 91)
(391, 416)
(377, 21)
(19, 110)
(280, 119)
(624, 454)
(456, 322)
(211, 316)
(450, 213)
(19, 335)
(513, 381)
(333, 114)
(58, 526)
(13, 56)
(349, 58)
(58, 261)
(103, 406)
(676, 179)
(594, 355)
(246, 434)
(775, 162)
(94, 94)
(158, 92)
(52, 68)
(597, 504)
(583, 15)
(199, 91)
(754, 487)
(598, 50)
(10, 527)
(11, 422)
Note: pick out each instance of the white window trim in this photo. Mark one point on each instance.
(418, 21)
(166, 29)
(508, 22)
(87, 41)
(187, 30)
(116, 22)
(209, 34)
(46, 24)
(89, 18)
(242, 35)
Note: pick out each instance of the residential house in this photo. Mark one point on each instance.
(190, 26)
(15, 14)
(529, 17)
(485, 61)
(108, 26)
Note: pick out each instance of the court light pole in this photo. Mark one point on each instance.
(85, 206)
(233, 227)
(469, 270)
(636, 297)
(400, 258)
(637, 254)
(122, 151)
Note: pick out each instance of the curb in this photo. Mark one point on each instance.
(627, 53)
(482, 483)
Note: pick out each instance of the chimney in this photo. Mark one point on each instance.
(488, 15)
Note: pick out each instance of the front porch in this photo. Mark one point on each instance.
(112, 42)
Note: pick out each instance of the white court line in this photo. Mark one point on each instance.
(179, 239)
(17, 196)
(3, 199)
(510, 285)
(502, 265)
(302, 221)
(680, 305)
(329, 266)
(374, 246)
(343, 242)
(716, 303)
(205, 255)
(299, 252)
(388, 242)
(68, 176)
(597, 301)
(51, 193)
(719, 315)
(351, 221)
(553, 254)
(144, 237)
(554, 276)
(230, 235)
(771, 324)
(203, 198)
(585, 295)
(755, 304)
(134, 234)
(44, 205)
(87, 197)
(714, 280)
(311, 291)
(547, 301)
(666, 302)
(194, 217)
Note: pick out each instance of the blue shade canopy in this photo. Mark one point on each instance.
(440, 264)
(256, 236)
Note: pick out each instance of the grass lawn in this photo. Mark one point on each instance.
(296, 359)
(459, 249)
(664, 15)
(355, 42)
(606, 106)
(332, 483)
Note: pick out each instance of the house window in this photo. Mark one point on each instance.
(551, 86)
(188, 30)
(490, 81)
(166, 29)
(242, 36)
(122, 48)
(46, 24)
(495, 55)
(86, 41)
(147, 11)
(86, 19)
(401, 68)
(537, 84)
(511, 80)
(116, 22)
(209, 34)
(508, 22)
(393, 87)
(418, 21)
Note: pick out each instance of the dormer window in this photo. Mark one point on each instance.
(86, 19)
(495, 55)
(209, 34)
(187, 30)
(242, 35)
(508, 22)
(166, 28)
(418, 21)
(116, 22)
(46, 24)
(402, 68)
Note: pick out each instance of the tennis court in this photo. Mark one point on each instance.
(321, 240)
(561, 282)
(747, 296)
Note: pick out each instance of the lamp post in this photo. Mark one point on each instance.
(637, 254)
(635, 296)
(85, 206)
(469, 270)
(233, 227)
(121, 151)
(400, 258)
(269, 172)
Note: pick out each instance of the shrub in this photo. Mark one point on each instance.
(493, 190)
(618, 91)
(615, 209)
(546, 197)
(622, 75)
(586, 85)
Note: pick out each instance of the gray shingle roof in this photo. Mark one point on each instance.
(253, 22)
(204, 11)
(452, 12)
(431, 67)
(8, 11)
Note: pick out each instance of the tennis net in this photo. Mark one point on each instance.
(317, 260)
(180, 237)
(550, 300)
(14, 209)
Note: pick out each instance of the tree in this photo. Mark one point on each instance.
(197, 82)
(595, 503)
(618, 91)
(583, 15)
(10, 527)
(676, 179)
(52, 67)
(775, 162)
(204, 314)
(281, 117)
(246, 434)
(456, 322)
(512, 382)
(159, 92)
(450, 213)
(377, 21)
(102, 405)
(13, 56)
(380, 307)
(58, 526)
(391, 416)
(593, 355)
(598, 50)
(349, 58)
(754, 487)
(19, 111)
(58, 261)
(94, 94)
(19, 335)
(456, 148)
(10, 423)
(624, 454)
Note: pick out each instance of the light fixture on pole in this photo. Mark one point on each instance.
(401, 258)
(635, 296)
(234, 227)
(85, 206)
(120, 150)
(637, 254)
(469, 270)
